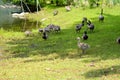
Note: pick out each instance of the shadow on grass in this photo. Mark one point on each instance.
(103, 72)
(57, 45)
(64, 44)
(109, 31)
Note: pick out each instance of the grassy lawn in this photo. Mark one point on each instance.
(32, 58)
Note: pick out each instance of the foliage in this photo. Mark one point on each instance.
(92, 3)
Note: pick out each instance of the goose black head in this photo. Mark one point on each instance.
(85, 32)
(89, 22)
(84, 19)
(101, 11)
(118, 40)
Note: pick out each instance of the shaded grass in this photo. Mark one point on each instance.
(105, 71)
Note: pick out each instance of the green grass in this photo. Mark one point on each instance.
(32, 58)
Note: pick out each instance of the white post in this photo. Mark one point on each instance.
(22, 6)
(37, 5)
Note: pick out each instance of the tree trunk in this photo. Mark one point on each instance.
(57, 3)
(52, 2)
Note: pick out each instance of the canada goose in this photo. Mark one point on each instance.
(118, 40)
(56, 28)
(44, 36)
(28, 33)
(82, 46)
(55, 12)
(90, 25)
(85, 36)
(79, 26)
(84, 19)
(101, 17)
(67, 8)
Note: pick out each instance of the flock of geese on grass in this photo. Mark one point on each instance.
(50, 27)
(90, 26)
